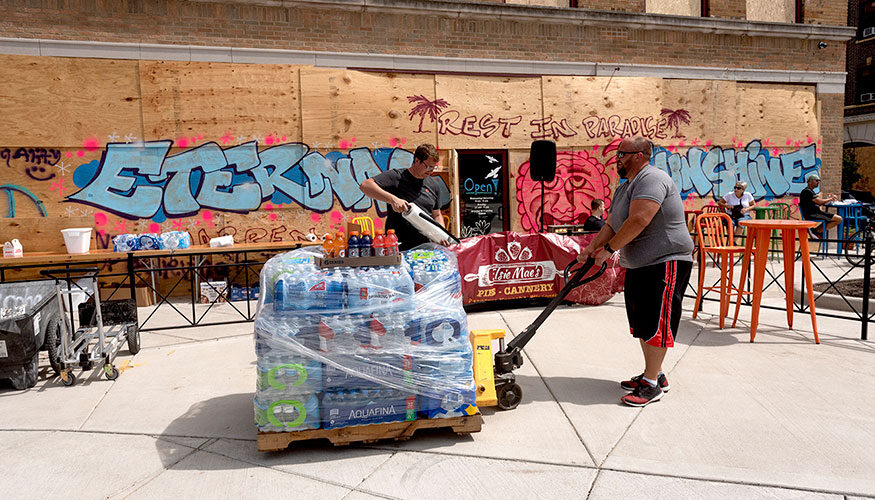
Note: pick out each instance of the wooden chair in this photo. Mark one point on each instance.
(714, 231)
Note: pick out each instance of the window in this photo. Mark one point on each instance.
(866, 84)
(775, 11)
(674, 7)
(866, 22)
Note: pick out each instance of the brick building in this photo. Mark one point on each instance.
(726, 89)
(860, 97)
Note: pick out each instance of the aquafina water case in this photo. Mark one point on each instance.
(388, 348)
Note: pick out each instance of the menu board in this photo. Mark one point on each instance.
(482, 190)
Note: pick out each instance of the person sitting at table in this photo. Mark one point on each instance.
(738, 203)
(595, 221)
(810, 203)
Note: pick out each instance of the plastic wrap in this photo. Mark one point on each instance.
(357, 346)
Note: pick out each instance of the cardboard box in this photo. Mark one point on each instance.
(143, 294)
(214, 291)
(385, 260)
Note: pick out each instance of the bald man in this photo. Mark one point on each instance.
(648, 228)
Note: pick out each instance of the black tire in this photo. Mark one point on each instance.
(71, 379)
(133, 335)
(112, 374)
(856, 256)
(53, 345)
(509, 396)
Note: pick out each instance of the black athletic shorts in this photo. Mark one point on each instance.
(654, 296)
(818, 216)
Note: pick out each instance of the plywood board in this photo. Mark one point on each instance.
(211, 101)
(479, 106)
(62, 102)
(42, 234)
(700, 112)
(346, 109)
(602, 108)
(776, 112)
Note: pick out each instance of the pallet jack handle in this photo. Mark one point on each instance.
(510, 358)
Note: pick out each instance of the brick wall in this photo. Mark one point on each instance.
(828, 12)
(831, 130)
(728, 9)
(320, 28)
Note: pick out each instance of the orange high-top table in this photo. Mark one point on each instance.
(761, 230)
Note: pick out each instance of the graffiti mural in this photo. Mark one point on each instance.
(454, 122)
(11, 189)
(581, 177)
(714, 171)
(140, 180)
(710, 172)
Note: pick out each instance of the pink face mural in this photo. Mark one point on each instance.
(580, 178)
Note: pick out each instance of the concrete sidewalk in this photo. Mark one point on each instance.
(780, 418)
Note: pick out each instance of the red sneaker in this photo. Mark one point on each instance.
(632, 384)
(643, 395)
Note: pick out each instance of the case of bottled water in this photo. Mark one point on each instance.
(355, 346)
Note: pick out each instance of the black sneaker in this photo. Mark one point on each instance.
(632, 384)
(643, 395)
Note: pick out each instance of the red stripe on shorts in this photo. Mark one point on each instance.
(663, 336)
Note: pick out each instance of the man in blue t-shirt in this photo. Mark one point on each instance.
(647, 227)
(399, 188)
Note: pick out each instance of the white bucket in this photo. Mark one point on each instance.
(77, 239)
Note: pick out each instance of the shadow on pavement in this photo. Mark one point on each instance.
(582, 391)
(225, 416)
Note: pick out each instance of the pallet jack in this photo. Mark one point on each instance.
(496, 383)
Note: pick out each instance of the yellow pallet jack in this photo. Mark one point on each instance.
(496, 382)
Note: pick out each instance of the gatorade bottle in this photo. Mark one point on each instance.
(328, 246)
(365, 242)
(379, 243)
(391, 243)
(339, 245)
(352, 245)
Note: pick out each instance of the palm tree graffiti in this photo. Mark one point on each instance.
(423, 107)
(675, 117)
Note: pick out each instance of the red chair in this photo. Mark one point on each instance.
(714, 231)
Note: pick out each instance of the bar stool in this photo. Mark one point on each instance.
(715, 234)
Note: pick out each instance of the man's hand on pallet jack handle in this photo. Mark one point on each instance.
(599, 248)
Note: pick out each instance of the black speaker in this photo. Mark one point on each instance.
(542, 161)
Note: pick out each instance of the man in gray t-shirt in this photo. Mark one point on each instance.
(647, 227)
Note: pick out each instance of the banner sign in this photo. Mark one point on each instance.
(508, 266)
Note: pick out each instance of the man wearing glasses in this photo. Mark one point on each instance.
(647, 227)
(809, 206)
(739, 203)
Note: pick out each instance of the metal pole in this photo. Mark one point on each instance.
(542, 206)
(867, 267)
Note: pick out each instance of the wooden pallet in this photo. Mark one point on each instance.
(399, 431)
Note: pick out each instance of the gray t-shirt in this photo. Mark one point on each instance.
(666, 237)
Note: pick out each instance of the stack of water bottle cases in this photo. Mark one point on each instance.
(352, 346)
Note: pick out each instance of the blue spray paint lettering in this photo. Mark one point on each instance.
(717, 170)
(141, 181)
